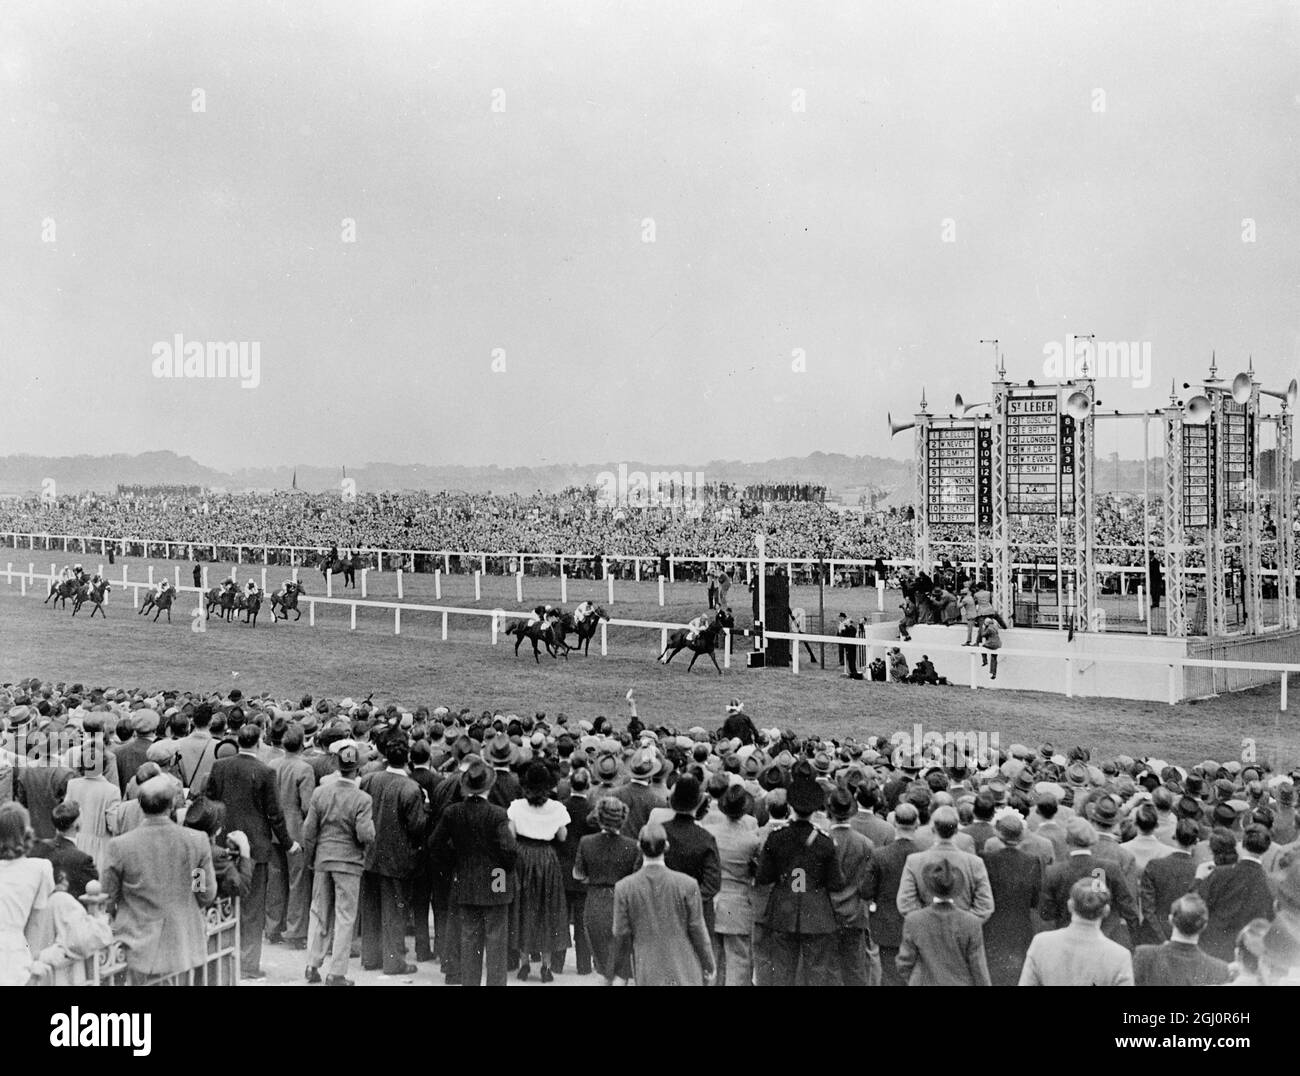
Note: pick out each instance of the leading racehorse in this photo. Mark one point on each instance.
(704, 643)
(286, 598)
(249, 602)
(584, 629)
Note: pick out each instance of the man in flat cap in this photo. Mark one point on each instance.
(131, 755)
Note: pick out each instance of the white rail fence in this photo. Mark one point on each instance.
(1174, 666)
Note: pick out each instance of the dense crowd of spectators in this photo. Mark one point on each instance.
(735, 855)
(572, 522)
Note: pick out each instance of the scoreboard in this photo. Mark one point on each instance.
(1198, 476)
(1039, 456)
(959, 477)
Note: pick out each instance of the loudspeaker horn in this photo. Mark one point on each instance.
(1078, 405)
(1290, 395)
(897, 427)
(1197, 411)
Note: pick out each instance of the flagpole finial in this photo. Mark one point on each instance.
(1173, 392)
(1250, 366)
(1214, 369)
(923, 403)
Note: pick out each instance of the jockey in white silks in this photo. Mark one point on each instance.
(544, 614)
(164, 587)
(699, 624)
(586, 609)
(251, 588)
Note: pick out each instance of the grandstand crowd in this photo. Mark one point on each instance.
(504, 845)
(572, 522)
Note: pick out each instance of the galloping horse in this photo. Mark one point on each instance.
(249, 604)
(584, 630)
(63, 589)
(286, 598)
(94, 593)
(704, 643)
(347, 565)
(537, 632)
(155, 598)
(224, 601)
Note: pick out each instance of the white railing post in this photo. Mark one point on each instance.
(663, 635)
(178, 577)
(151, 575)
(880, 595)
(446, 563)
(311, 612)
(99, 568)
(444, 626)
(482, 563)
(636, 567)
(437, 583)
(329, 584)
(239, 554)
(353, 625)
(397, 620)
(294, 575)
(495, 626)
(399, 585)
(124, 575)
(609, 584)
(519, 586)
(604, 645)
(1283, 703)
(564, 589)
(22, 580)
(726, 648)
(672, 569)
(379, 560)
(363, 581)
(205, 576)
(661, 593)
(478, 586)
(794, 663)
(31, 573)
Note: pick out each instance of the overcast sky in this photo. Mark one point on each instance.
(798, 167)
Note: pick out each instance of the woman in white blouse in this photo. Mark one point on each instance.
(539, 918)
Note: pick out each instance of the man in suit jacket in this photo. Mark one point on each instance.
(640, 798)
(475, 840)
(391, 861)
(1121, 922)
(1236, 894)
(575, 893)
(76, 866)
(338, 828)
(1180, 961)
(196, 752)
(131, 755)
(288, 876)
(158, 879)
(692, 849)
(1015, 880)
(853, 951)
(1166, 879)
(982, 828)
(884, 874)
(658, 913)
(422, 888)
(41, 786)
(803, 868)
(246, 785)
(971, 892)
(942, 944)
(1079, 954)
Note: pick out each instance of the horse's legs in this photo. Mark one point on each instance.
(536, 655)
(713, 659)
(519, 638)
(694, 655)
(671, 652)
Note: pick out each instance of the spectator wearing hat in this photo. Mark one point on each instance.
(391, 861)
(1104, 811)
(884, 876)
(1015, 881)
(1180, 961)
(638, 794)
(981, 829)
(971, 890)
(246, 785)
(336, 833)
(1121, 920)
(158, 879)
(692, 849)
(41, 786)
(942, 945)
(602, 859)
(501, 753)
(539, 912)
(197, 751)
(1167, 878)
(580, 825)
(659, 916)
(858, 960)
(802, 866)
(288, 900)
(738, 725)
(1236, 894)
(131, 755)
(474, 841)
(230, 861)
(737, 845)
(98, 797)
(62, 851)
(1079, 954)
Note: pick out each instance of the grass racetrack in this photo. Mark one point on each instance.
(290, 659)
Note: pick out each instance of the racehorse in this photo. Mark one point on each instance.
(63, 589)
(285, 599)
(334, 565)
(537, 632)
(704, 643)
(154, 598)
(249, 604)
(584, 630)
(93, 593)
(223, 599)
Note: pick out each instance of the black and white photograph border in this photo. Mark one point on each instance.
(666, 495)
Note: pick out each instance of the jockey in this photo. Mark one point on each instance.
(288, 585)
(699, 624)
(586, 609)
(228, 585)
(544, 614)
(164, 586)
(250, 588)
